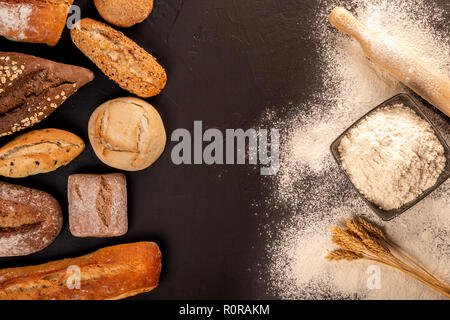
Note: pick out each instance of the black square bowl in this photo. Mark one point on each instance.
(405, 99)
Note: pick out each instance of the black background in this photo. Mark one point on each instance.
(227, 62)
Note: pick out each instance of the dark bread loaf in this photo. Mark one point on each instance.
(32, 88)
(29, 220)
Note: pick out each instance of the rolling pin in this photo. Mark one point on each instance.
(401, 63)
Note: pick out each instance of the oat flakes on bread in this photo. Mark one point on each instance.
(30, 220)
(36, 21)
(39, 151)
(127, 133)
(119, 57)
(124, 13)
(31, 88)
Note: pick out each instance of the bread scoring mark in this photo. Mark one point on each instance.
(103, 202)
(16, 217)
(47, 147)
(26, 97)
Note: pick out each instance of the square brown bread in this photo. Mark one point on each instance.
(97, 205)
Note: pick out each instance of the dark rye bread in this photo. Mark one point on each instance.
(31, 88)
(29, 220)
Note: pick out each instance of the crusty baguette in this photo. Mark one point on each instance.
(119, 57)
(37, 21)
(29, 220)
(110, 273)
(39, 151)
(31, 88)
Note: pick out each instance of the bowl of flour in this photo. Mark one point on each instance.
(393, 156)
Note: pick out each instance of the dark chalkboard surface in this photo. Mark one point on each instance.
(227, 61)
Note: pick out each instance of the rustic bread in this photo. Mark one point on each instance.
(32, 88)
(29, 220)
(119, 57)
(38, 21)
(39, 151)
(127, 133)
(97, 205)
(110, 273)
(124, 13)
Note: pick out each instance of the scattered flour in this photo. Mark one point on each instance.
(14, 19)
(310, 191)
(392, 156)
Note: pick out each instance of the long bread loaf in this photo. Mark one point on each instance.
(39, 151)
(110, 273)
(119, 57)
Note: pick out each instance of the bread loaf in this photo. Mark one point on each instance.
(32, 88)
(124, 13)
(119, 57)
(97, 205)
(39, 151)
(127, 133)
(29, 220)
(110, 273)
(38, 21)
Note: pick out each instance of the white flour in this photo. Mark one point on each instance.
(310, 192)
(392, 156)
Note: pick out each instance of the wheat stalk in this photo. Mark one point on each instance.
(363, 240)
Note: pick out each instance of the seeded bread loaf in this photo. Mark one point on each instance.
(97, 205)
(124, 13)
(32, 88)
(29, 220)
(39, 151)
(110, 273)
(119, 57)
(38, 21)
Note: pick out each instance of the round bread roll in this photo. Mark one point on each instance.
(124, 13)
(127, 134)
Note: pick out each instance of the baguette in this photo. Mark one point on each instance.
(36, 21)
(110, 273)
(39, 151)
(31, 88)
(29, 220)
(119, 57)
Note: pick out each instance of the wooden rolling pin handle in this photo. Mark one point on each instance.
(346, 22)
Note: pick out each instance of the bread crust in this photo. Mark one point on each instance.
(30, 220)
(110, 273)
(97, 205)
(124, 13)
(31, 88)
(127, 133)
(120, 58)
(36, 21)
(39, 151)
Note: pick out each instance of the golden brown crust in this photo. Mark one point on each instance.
(111, 273)
(36, 21)
(124, 13)
(120, 58)
(39, 151)
(127, 133)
